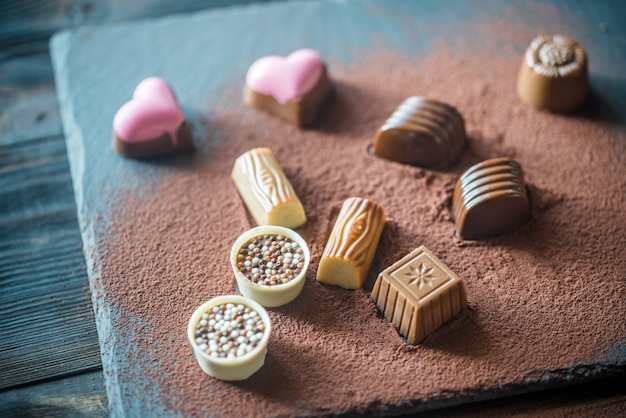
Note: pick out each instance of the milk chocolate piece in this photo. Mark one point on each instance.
(490, 198)
(554, 75)
(418, 294)
(352, 244)
(292, 88)
(422, 132)
(266, 191)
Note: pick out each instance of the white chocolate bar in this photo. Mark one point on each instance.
(266, 191)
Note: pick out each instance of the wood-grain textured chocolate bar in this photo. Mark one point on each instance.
(418, 294)
(266, 190)
(490, 198)
(422, 132)
(352, 244)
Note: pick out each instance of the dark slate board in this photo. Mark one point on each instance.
(205, 54)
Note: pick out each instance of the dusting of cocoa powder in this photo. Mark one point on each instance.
(545, 301)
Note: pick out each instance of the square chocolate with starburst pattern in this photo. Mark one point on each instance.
(418, 294)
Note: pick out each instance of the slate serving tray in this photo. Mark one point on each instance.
(97, 68)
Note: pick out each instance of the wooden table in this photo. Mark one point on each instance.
(49, 353)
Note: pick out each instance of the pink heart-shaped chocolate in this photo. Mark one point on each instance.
(285, 78)
(152, 111)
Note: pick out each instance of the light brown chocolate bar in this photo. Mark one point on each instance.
(418, 294)
(554, 74)
(352, 244)
(266, 190)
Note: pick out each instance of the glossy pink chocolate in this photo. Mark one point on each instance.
(285, 78)
(152, 111)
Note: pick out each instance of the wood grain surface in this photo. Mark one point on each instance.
(53, 368)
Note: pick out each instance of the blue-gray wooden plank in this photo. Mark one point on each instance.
(92, 85)
(42, 273)
(77, 396)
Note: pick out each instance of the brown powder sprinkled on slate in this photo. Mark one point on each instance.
(549, 295)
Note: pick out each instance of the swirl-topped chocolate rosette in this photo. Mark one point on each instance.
(554, 74)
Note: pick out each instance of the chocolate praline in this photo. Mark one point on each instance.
(554, 75)
(422, 132)
(490, 198)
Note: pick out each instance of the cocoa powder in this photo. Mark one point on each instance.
(544, 300)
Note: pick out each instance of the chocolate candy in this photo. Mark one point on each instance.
(263, 276)
(352, 244)
(266, 191)
(237, 353)
(422, 132)
(553, 75)
(490, 198)
(292, 88)
(151, 123)
(419, 293)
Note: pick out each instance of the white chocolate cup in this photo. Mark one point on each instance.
(238, 368)
(276, 295)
